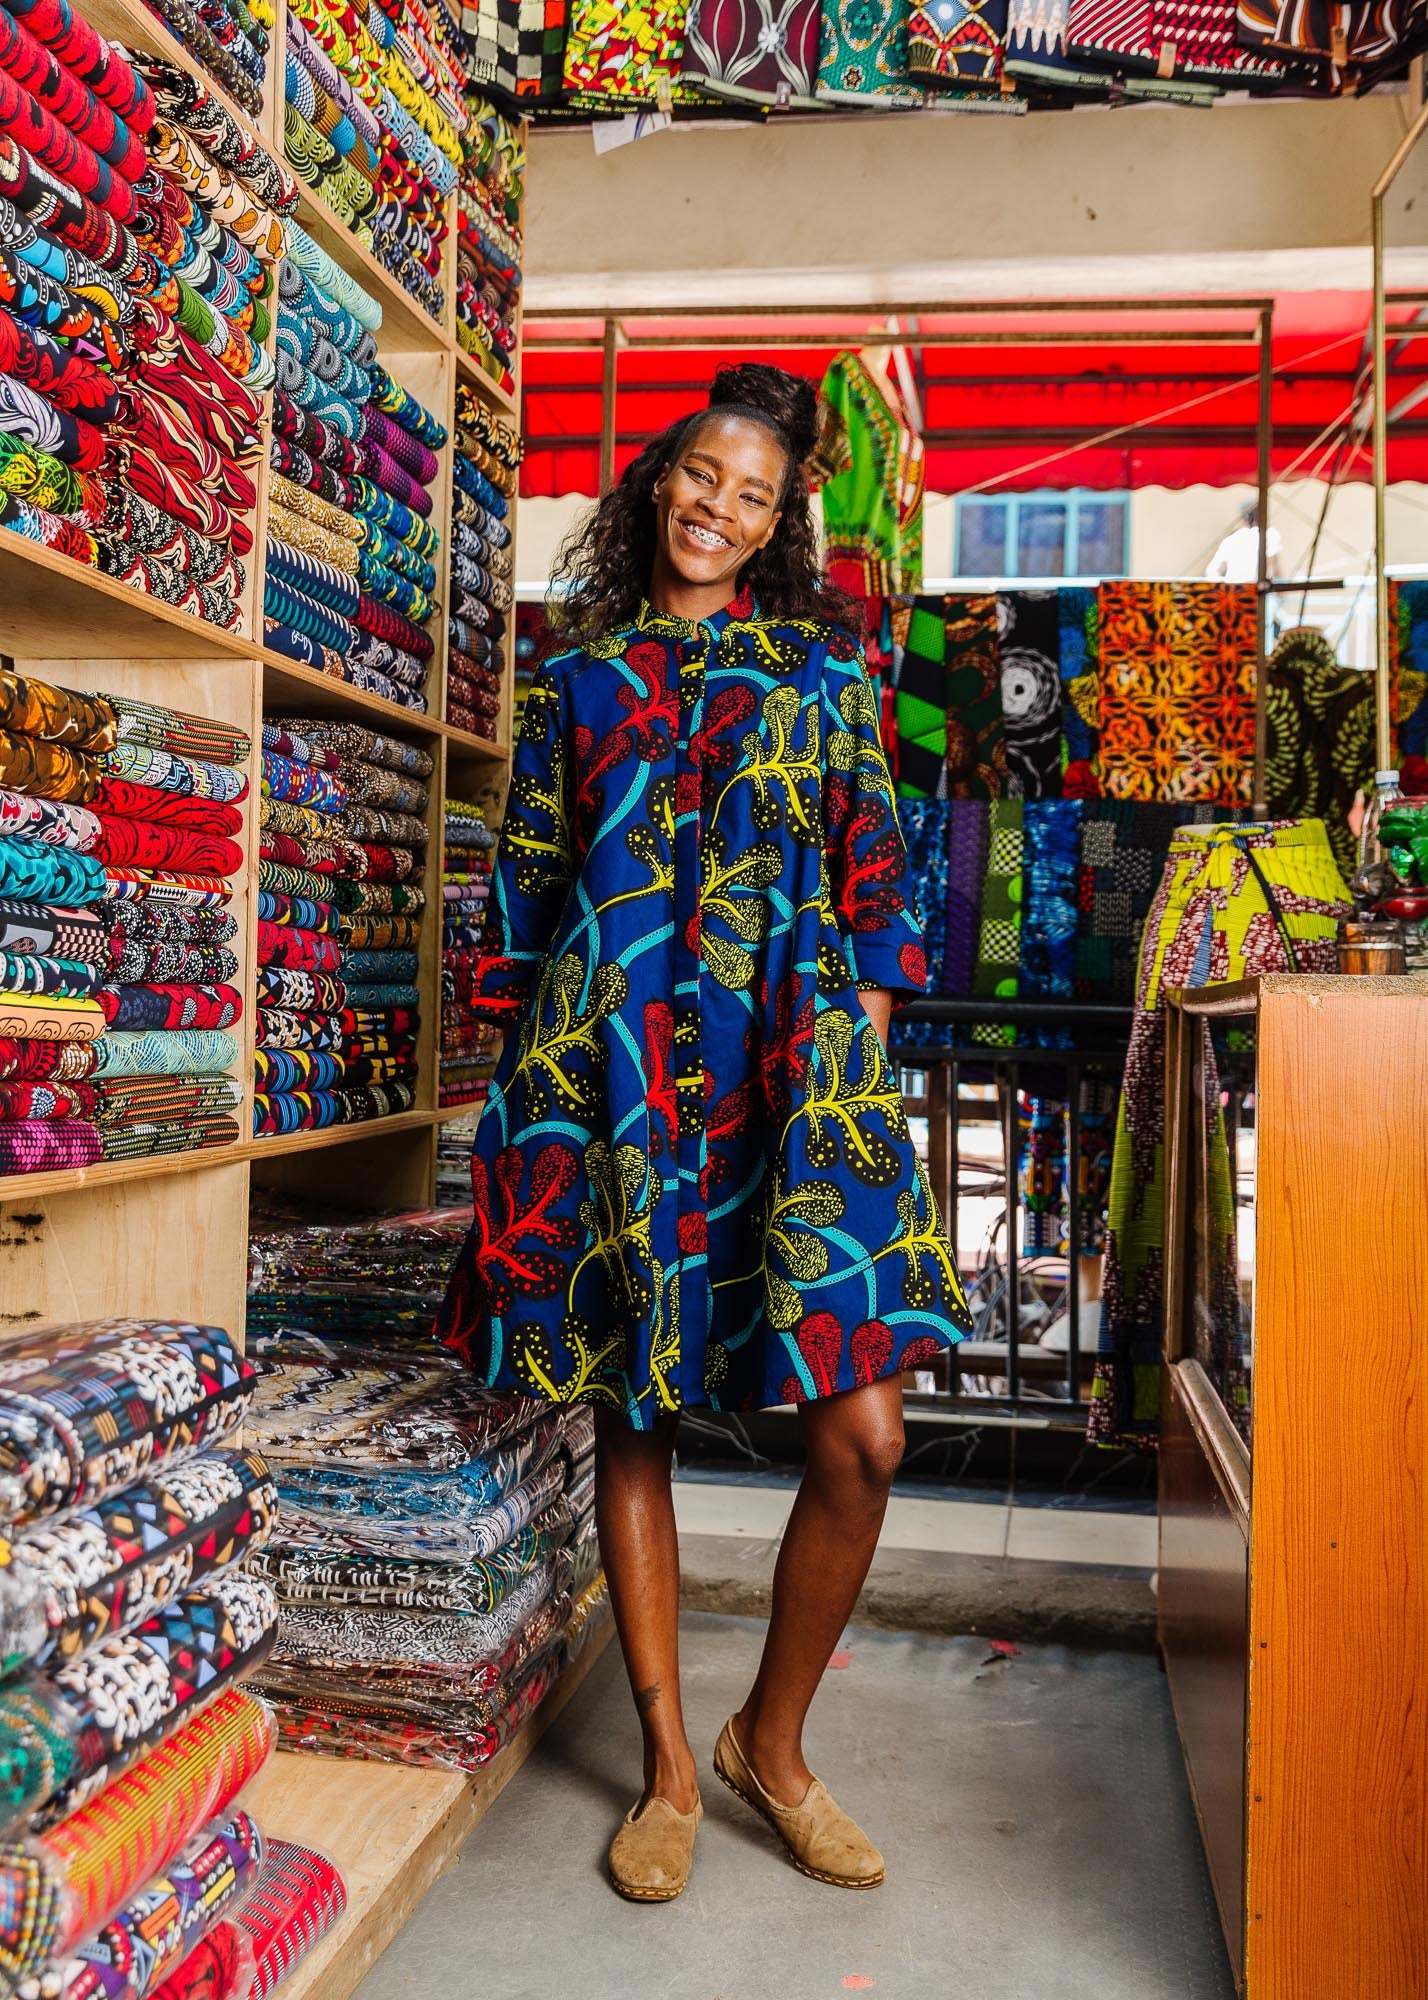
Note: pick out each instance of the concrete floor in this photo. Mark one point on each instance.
(1032, 1807)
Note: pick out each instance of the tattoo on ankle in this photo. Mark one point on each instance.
(647, 1697)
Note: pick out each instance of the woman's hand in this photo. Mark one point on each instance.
(877, 1005)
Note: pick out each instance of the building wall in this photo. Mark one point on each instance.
(922, 207)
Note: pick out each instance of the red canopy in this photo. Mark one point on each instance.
(1088, 397)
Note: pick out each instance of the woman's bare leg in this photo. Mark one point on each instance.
(634, 1506)
(853, 1445)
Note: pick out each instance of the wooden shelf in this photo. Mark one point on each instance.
(52, 607)
(445, 1113)
(109, 1173)
(282, 1143)
(465, 744)
(475, 377)
(286, 683)
(391, 1830)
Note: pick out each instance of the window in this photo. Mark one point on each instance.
(1079, 533)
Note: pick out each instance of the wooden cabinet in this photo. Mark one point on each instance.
(1293, 1586)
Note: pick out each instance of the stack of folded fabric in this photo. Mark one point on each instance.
(483, 472)
(455, 1138)
(116, 861)
(228, 37)
(378, 859)
(350, 579)
(488, 240)
(206, 234)
(433, 1533)
(388, 186)
(125, 1623)
(297, 1898)
(468, 1044)
(298, 1059)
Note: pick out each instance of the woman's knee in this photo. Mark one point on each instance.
(858, 1442)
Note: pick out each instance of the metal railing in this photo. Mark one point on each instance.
(1002, 1366)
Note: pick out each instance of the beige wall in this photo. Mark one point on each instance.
(927, 206)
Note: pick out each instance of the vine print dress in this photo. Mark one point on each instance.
(693, 1179)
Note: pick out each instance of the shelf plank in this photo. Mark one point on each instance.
(446, 1112)
(108, 1173)
(288, 684)
(463, 743)
(283, 1143)
(475, 377)
(52, 607)
(405, 326)
(391, 1830)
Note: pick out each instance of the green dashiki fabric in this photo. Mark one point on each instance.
(863, 53)
(871, 469)
(999, 944)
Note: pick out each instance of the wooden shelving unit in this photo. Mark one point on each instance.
(169, 1235)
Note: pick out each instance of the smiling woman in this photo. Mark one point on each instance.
(694, 1181)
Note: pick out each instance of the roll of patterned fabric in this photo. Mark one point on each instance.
(165, 1054)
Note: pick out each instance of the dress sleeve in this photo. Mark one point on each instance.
(869, 876)
(533, 863)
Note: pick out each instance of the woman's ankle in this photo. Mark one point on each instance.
(773, 1755)
(674, 1777)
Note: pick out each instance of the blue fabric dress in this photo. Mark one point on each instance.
(693, 1179)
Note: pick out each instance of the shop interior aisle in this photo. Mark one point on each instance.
(1032, 1806)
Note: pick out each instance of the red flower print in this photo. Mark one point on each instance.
(871, 1349)
(793, 1390)
(692, 1233)
(869, 869)
(513, 1244)
(912, 963)
(659, 1076)
(820, 1342)
(919, 1352)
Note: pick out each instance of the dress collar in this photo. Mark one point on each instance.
(741, 606)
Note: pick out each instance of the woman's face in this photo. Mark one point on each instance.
(716, 505)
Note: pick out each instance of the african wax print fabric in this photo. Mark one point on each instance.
(73, 1730)
(44, 929)
(87, 1409)
(299, 1897)
(219, 1967)
(322, 1571)
(806, 893)
(863, 53)
(178, 733)
(1317, 29)
(1078, 651)
(26, 1100)
(52, 821)
(57, 714)
(122, 1054)
(1028, 628)
(1050, 881)
(107, 1567)
(995, 976)
(977, 760)
(136, 1008)
(197, 777)
(1320, 744)
(764, 50)
(629, 53)
(188, 1103)
(1176, 670)
(956, 42)
(870, 471)
(47, 1062)
(49, 1017)
(1210, 922)
(48, 1145)
(968, 834)
(152, 1933)
(110, 1848)
(921, 703)
(1124, 849)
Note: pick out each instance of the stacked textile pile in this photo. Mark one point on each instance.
(125, 1623)
(169, 815)
(454, 1139)
(484, 473)
(350, 575)
(372, 867)
(488, 240)
(468, 1044)
(116, 861)
(298, 1053)
(228, 37)
(434, 1535)
(384, 147)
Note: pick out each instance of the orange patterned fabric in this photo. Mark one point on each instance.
(1177, 675)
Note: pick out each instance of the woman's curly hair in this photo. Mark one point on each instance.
(602, 570)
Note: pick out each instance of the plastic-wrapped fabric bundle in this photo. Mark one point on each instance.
(86, 1409)
(481, 1506)
(71, 1880)
(66, 1734)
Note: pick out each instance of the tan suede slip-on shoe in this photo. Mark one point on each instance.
(653, 1852)
(820, 1837)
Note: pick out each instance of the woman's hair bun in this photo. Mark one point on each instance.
(786, 401)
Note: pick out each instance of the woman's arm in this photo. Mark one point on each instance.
(877, 1005)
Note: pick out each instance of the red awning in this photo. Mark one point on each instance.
(1089, 398)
